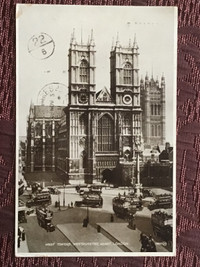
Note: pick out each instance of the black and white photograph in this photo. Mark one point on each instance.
(95, 130)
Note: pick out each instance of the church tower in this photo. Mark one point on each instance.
(125, 92)
(153, 106)
(82, 72)
(82, 98)
(125, 89)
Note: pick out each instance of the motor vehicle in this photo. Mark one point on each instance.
(147, 193)
(44, 217)
(30, 211)
(39, 199)
(95, 189)
(53, 190)
(21, 212)
(162, 221)
(90, 200)
(126, 205)
(163, 201)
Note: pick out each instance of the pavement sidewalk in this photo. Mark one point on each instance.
(87, 239)
(23, 246)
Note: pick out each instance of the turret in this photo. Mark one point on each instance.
(117, 41)
(135, 45)
(146, 79)
(73, 39)
(157, 82)
(92, 43)
(162, 81)
(31, 111)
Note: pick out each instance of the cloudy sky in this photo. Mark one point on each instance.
(155, 29)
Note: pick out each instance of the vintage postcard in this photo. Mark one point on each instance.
(96, 127)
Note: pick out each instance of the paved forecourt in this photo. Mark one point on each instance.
(87, 239)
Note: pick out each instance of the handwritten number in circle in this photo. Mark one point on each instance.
(35, 40)
(41, 38)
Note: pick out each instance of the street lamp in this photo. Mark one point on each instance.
(64, 196)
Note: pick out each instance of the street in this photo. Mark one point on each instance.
(69, 226)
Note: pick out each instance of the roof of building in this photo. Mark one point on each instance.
(48, 111)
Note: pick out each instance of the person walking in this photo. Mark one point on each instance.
(23, 235)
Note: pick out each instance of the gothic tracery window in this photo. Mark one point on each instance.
(105, 134)
(48, 130)
(83, 124)
(127, 74)
(127, 125)
(84, 71)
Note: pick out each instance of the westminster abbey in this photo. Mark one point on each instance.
(99, 131)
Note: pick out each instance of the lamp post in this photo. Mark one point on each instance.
(64, 196)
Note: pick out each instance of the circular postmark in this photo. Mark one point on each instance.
(53, 94)
(41, 46)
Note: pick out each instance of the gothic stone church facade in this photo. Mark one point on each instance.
(102, 131)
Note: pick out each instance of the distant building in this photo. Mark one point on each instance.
(153, 107)
(167, 154)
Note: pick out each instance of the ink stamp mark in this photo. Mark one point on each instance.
(41, 46)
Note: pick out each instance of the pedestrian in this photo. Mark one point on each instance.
(71, 204)
(18, 242)
(151, 247)
(19, 232)
(85, 222)
(23, 235)
(112, 218)
(144, 242)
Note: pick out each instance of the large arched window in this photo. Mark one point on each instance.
(105, 134)
(127, 74)
(84, 71)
